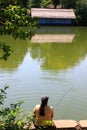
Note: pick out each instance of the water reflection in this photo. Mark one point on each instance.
(32, 79)
(52, 56)
(19, 48)
(54, 35)
(61, 56)
(53, 38)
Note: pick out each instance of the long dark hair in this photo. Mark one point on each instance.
(44, 101)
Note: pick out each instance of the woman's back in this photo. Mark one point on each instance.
(43, 112)
(48, 114)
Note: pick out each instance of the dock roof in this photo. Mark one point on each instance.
(53, 13)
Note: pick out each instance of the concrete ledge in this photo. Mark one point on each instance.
(67, 125)
(83, 124)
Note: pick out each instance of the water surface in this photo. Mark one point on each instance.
(54, 69)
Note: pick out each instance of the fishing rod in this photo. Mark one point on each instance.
(62, 97)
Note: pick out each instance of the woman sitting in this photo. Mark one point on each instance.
(43, 114)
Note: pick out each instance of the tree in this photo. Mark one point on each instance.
(81, 12)
(68, 3)
(55, 3)
(34, 3)
(23, 3)
(15, 20)
(45, 3)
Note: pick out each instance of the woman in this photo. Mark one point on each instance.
(43, 114)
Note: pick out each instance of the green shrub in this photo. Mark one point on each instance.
(81, 12)
(11, 118)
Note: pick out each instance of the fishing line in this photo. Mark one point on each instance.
(62, 97)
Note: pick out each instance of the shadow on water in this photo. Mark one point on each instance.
(53, 56)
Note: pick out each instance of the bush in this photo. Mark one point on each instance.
(11, 118)
(68, 3)
(81, 12)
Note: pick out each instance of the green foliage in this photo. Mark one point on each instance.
(11, 117)
(47, 123)
(14, 19)
(45, 3)
(5, 51)
(81, 12)
(42, 3)
(4, 4)
(68, 3)
(34, 3)
(22, 3)
(55, 3)
(3, 94)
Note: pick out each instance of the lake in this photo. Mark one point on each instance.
(53, 63)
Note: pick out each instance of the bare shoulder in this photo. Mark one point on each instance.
(37, 106)
(50, 107)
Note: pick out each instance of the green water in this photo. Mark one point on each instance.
(37, 69)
